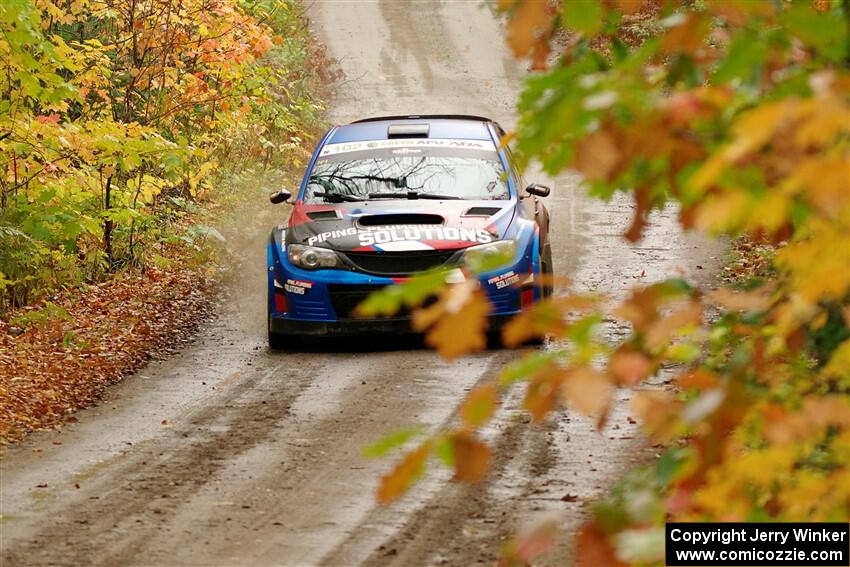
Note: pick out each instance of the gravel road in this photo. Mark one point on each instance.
(227, 454)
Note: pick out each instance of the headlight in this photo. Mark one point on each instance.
(491, 256)
(312, 258)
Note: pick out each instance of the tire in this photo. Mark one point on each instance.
(494, 340)
(277, 341)
(547, 271)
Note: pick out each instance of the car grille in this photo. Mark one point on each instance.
(399, 263)
(345, 298)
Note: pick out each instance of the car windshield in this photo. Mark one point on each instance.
(408, 174)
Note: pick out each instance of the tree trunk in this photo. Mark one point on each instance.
(108, 224)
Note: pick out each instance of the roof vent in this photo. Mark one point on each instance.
(408, 131)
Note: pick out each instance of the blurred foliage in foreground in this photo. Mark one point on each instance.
(737, 111)
(115, 116)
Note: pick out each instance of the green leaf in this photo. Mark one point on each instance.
(581, 332)
(745, 59)
(826, 31)
(584, 16)
(525, 367)
(444, 449)
(669, 464)
(392, 441)
(410, 293)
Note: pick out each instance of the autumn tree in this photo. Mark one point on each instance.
(115, 114)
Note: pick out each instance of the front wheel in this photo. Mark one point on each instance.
(548, 287)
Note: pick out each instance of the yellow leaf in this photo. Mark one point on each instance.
(725, 212)
(839, 364)
(818, 265)
(750, 133)
(457, 323)
(769, 213)
(756, 127)
(479, 405)
(825, 182)
(827, 120)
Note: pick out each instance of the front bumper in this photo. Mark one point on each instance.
(352, 327)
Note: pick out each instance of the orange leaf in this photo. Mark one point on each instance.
(462, 325)
(628, 367)
(520, 328)
(688, 36)
(404, 475)
(472, 458)
(540, 54)
(659, 412)
(48, 118)
(526, 24)
(588, 392)
(756, 300)
(661, 331)
(538, 540)
(598, 156)
(641, 308)
(594, 550)
(543, 391)
(629, 6)
(545, 318)
(698, 379)
(478, 406)
(639, 222)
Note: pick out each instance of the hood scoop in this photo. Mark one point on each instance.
(323, 215)
(400, 218)
(482, 211)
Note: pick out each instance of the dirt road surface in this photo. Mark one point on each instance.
(227, 454)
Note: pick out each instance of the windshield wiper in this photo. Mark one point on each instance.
(411, 195)
(338, 197)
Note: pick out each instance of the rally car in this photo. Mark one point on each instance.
(385, 198)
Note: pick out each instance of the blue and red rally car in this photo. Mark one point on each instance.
(385, 198)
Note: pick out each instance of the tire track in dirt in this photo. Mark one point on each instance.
(113, 520)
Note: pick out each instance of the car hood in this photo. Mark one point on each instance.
(400, 225)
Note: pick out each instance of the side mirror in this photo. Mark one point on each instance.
(281, 196)
(539, 190)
